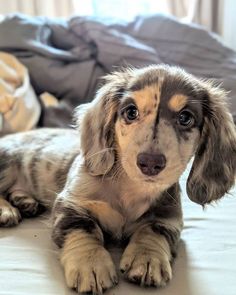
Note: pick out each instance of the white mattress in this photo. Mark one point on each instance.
(206, 264)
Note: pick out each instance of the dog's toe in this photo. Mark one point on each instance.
(146, 269)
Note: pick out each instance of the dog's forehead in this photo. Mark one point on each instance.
(171, 88)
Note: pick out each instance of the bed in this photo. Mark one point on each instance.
(206, 261)
(56, 51)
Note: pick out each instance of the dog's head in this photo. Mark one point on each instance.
(152, 121)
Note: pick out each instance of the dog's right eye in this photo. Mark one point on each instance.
(130, 113)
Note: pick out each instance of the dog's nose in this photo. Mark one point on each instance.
(151, 164)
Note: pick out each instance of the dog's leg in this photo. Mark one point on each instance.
(153, 245)
(88, 266)
(9, 215)
(27, 205)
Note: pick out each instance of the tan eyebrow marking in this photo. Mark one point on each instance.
(177, 102)
(147, 98)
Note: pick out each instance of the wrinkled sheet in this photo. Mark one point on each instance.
(67, 57)
(206, 263)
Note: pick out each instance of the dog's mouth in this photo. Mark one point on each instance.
(151, 180)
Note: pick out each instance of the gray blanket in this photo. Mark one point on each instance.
(67, 57)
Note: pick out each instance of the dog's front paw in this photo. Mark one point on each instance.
(9, 215)
(92, 271)
(145, 267)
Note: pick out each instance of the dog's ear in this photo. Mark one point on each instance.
(95, 122)
(214, 168)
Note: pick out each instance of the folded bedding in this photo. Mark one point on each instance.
(66, 58)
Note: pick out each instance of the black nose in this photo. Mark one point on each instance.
(151, 164)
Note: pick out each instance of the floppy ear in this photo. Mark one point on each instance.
(96, 125)
(214, 168)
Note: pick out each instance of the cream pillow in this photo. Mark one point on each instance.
(19, 107)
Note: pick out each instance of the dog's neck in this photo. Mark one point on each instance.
(134, 197)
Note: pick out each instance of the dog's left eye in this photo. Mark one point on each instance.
(186, 119)
(130, 113)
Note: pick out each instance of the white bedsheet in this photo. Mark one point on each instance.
(206, 263)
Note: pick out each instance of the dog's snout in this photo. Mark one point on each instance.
(151, 164)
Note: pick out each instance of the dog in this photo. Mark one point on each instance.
(117, 175)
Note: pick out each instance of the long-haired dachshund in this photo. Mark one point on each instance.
(118, 176)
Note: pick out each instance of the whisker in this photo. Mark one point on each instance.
(175, 202)
(99, 152)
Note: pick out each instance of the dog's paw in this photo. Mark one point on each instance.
(27, 206)
(9, 215)
(145, 267)
(93, 272)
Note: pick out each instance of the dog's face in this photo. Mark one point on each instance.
(158, 126)
(151, 122)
